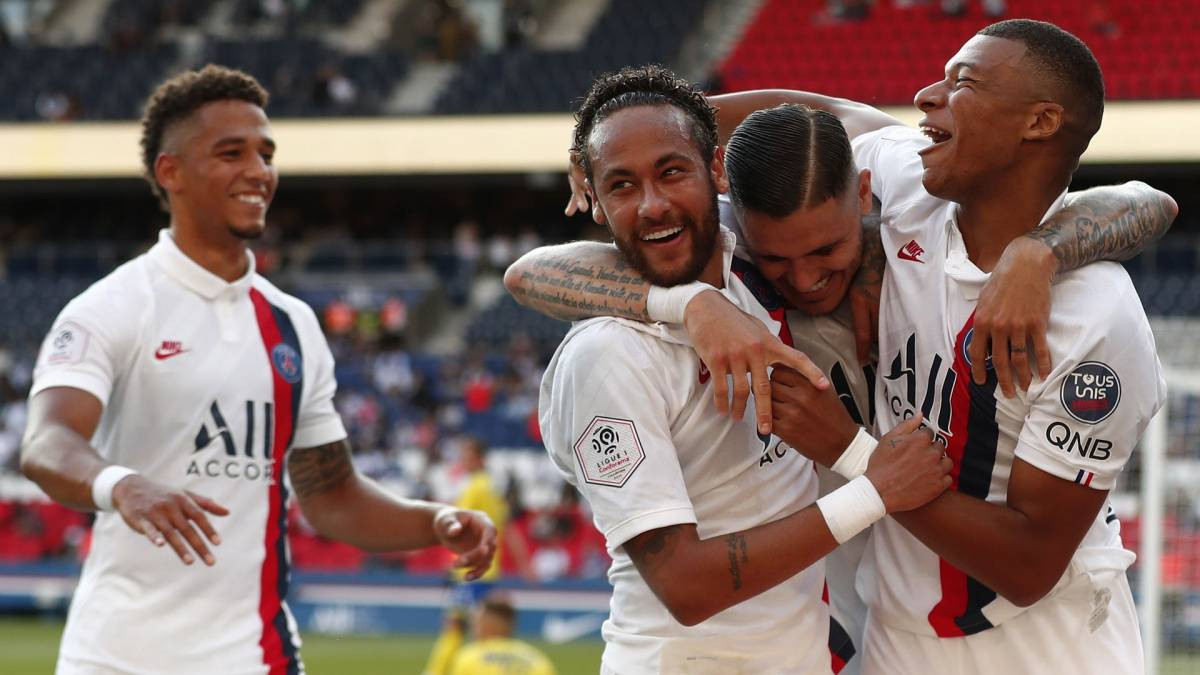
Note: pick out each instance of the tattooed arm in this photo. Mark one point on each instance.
(1105, 223)
(341, 503)
(579, 280)
(696, 578)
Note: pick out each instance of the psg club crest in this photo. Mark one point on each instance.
(287, 362)
(967, 339)
(609, 451)
(1091, 392)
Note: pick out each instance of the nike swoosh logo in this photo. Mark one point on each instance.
(161, 354)
(905, 255)
(557, 629)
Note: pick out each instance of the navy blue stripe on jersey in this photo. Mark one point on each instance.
(760, 288)
(841, 645)
(288, 332)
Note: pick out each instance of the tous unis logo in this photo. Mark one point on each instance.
(911, 251)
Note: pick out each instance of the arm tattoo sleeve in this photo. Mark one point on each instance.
(1106, 223)
(580, 281)
(736, 543)
(319, 469)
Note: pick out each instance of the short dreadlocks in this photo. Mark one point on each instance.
(637, 86)
(179, 97)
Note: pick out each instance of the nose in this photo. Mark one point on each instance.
(931, 97)
(258, 169)
(654, 204)
(802, 277)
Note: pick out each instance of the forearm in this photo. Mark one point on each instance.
(993, 543)
(363, 514)
(1106, 223)
(698, 578)
(63, 464)
(579, 280)
(856, 117)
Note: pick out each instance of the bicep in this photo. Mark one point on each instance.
(68, 407)
(1059, 511)
(320, 470)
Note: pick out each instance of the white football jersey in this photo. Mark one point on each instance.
(1079, 424)
(206, 385)
(627, 416)
(827, 340)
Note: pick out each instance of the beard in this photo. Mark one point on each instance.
(248, 232)
(703, 244)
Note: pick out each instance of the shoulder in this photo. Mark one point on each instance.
(608, 355)
(1098, 298)
(608, 341)
(119, 299)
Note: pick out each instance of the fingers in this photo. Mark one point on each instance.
(946, 464)
(910, 425)
(720, 381)
(1001, 363)
(147, 528)
(1019, 356)
(197, 516)
(741, 391)
(184, 529)
(1041, 352)
(208, 504)
(761, 384)
(798, 361)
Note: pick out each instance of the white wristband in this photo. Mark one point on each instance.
(106, 480)
(853, 462)
(667, 304)
(851, 508)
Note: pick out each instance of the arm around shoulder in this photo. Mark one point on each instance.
(578, 280)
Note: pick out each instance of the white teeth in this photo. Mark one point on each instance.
(257, 200)
(936, 135)
(661, 234)
(818, 286)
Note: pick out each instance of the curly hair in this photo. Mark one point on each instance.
(637, 86)
(179, 97)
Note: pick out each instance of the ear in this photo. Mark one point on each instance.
(717, 170)
(1045, 121)
(865, 199)
(597, 211)
(166, 172)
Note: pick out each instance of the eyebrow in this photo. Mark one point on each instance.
(673, 156)
(240, 140)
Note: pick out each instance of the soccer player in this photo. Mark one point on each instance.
(711, 525)
(177, 389)
(793, 185)
(494, 650)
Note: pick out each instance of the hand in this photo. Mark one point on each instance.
(1012, 315)
(731, 342)
(167, 516)
(908, 468)
(470, 534)
(578, 202)
(813, 421)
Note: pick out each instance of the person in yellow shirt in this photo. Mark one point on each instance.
(494, 651)
(481, 495)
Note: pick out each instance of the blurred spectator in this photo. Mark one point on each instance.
(520, 23)
(1101, 20)
(333, 89)
(56, 106)
(849, 10)
(991, 8)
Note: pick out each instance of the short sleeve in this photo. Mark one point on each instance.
(896, 171)
(319, 422)
(609, 426)
(87, 345)
(1085, 419)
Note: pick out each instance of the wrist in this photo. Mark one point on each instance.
(1042, 255)
(668, 305)
(851, 508)
(105, 483)
(853, 461)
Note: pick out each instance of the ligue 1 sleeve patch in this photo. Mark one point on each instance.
(1091, 392)
(609, 451)
(69, 344)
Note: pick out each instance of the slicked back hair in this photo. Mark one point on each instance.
(1069, 66)
(179, 97)
(638, 86)
(786, 158)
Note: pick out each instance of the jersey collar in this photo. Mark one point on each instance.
(959, 267)
(191, 275)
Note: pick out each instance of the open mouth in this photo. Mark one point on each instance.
(819, 286)
(935, 134)
(663, 236)
(251, 199)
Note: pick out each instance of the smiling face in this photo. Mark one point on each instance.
(217, 167)
(656, 193)
(976, 117)
(810, 255)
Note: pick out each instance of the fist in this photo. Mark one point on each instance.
(908, 468)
